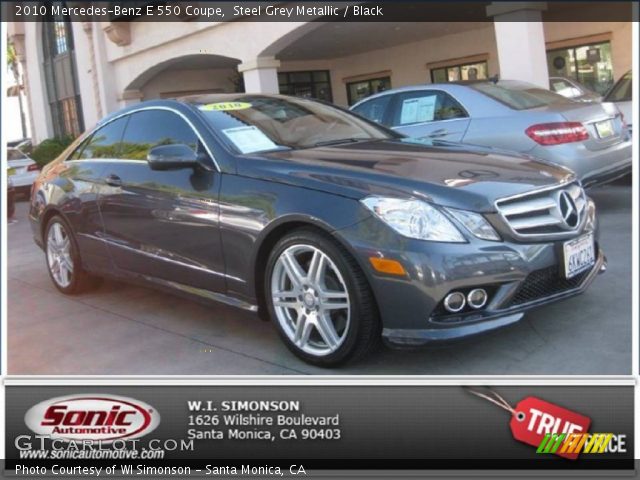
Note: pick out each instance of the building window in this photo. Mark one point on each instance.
(456, 73)
(63, 93)
(591, 65)
(311, 84)
(356, 91)
(60, 34)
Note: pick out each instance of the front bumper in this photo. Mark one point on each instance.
(518, 276)
(410, 338)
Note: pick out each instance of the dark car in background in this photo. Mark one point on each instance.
(337, 229)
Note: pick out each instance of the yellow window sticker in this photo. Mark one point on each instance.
(225, 106)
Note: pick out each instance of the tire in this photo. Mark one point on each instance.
(335, 294)
(61, 249)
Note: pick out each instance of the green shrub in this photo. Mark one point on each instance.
(50, 148)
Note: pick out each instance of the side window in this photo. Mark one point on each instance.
(425, 106)
(374, 109)
(104, 143)
(151, 128)
(448, 108)
(77, 153)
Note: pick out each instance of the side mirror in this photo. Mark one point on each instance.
(172, 157)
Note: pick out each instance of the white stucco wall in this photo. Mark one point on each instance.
(172, 81)
(84, 72)
(41, 118)
(406, 66)
(154, 43)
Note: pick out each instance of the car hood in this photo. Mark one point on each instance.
(447, 174)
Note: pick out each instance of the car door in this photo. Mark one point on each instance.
(163, 224)
(80, 178)
(429, 114)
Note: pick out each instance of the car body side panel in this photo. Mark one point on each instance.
(251, 208)
(72, 191)
(450, 130)
(164, 224)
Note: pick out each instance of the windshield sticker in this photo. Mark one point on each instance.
(249, 139)
(415, 110)
(225, 106)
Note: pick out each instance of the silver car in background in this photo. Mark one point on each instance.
(589, 138)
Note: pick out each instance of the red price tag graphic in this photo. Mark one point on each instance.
(534, 418)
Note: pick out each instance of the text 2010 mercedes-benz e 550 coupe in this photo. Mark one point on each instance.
(339, 230)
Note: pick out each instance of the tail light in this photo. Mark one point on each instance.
(557, 133)
(33, 167)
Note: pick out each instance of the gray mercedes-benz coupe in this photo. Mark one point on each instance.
(339, 230)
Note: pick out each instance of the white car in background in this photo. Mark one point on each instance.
(22, 170)
(620, 94)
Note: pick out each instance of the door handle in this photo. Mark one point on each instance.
(113, 180)
(439, 133)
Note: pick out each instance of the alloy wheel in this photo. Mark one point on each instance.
(59, 255)
(310, 299)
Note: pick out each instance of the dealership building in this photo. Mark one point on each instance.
(74, 73)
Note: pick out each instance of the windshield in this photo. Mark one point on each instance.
(255, 123)
(519, 95)
(621, 91)
(14, 154)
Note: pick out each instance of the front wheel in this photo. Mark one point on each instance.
(320, 300)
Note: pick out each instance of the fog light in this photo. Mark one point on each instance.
(477, 298)
(454, 302)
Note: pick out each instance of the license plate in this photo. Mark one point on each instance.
(604, 128)
(579, 255)
(11, 171)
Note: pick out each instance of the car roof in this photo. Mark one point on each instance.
(450, 87)
(193, 100)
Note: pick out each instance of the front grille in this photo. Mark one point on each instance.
(545, 212)
(544, 283)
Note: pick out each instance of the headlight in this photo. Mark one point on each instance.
(414, 219)
(475, 223)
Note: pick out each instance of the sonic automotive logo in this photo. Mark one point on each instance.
(98, 417)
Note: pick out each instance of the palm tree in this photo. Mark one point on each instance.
(12, 64)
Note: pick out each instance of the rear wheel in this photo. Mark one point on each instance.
(320, 300)
(63, 260)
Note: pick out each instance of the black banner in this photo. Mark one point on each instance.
(331, 11)
(313, 427)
